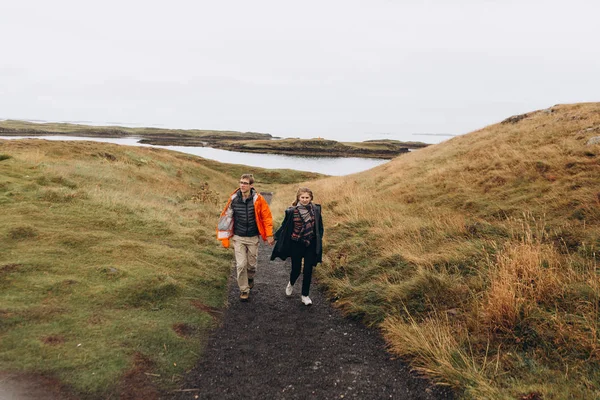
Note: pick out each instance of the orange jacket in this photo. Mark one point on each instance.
(262, 212)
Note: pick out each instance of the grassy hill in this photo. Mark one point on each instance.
(478, 257)
(110, 273)
(386, 149)
(189, 137)
(251, 142)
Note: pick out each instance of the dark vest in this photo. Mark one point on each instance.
(244, 217)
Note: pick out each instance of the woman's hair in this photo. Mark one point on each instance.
(301, 191)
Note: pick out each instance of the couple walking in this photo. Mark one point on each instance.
(247, 216)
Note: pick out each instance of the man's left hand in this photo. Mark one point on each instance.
(270, 240)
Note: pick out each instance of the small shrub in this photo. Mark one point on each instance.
(107, 156)
(202, 238)
(4, 157)
(541, 167)
(64, 287)
(578, 214)
(151, 292)
(62, 196)
(53, 340)
(8, 268)
(205, 195)
(522, 275)
(53, 196)
(22, 232)
(484, 229)
(45, 181)
(42, 181)
(111, 273)
(426, 291)
(184, 330)
(64, 182)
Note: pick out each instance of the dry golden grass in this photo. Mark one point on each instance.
(523, 275)
(481, 248)
(441, 351)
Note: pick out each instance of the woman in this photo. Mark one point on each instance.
(301, 238)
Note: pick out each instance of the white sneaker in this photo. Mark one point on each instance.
(306, 300)
(289, 289)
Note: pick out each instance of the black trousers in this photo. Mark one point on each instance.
(309, 254)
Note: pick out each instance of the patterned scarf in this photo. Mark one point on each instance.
(304, 224)
(306, 212)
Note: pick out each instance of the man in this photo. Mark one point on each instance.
(251, 218)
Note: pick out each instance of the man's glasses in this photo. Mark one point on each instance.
(244, 183)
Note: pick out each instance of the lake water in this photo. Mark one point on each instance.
(324, 165)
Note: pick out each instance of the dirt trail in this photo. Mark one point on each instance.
(274, 347)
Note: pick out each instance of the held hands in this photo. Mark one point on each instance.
(270, 240)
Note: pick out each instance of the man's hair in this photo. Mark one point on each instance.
(250, 178)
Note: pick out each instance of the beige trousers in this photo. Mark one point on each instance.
(246, 252)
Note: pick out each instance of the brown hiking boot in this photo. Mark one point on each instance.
(250, 283)
(244, 296)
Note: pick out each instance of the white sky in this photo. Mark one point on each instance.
(340, 69)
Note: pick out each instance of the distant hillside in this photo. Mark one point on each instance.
(250, 142)
(385, 149)
(478, 257)
(184, 137)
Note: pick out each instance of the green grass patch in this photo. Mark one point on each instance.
(107, 262)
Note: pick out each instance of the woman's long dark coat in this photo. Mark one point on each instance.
(283, 247)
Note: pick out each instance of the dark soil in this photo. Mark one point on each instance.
(274, 347)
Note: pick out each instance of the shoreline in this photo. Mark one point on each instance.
(246, 142)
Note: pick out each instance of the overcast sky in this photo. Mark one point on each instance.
(340, 69)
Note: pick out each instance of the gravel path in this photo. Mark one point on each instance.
(274, 347)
